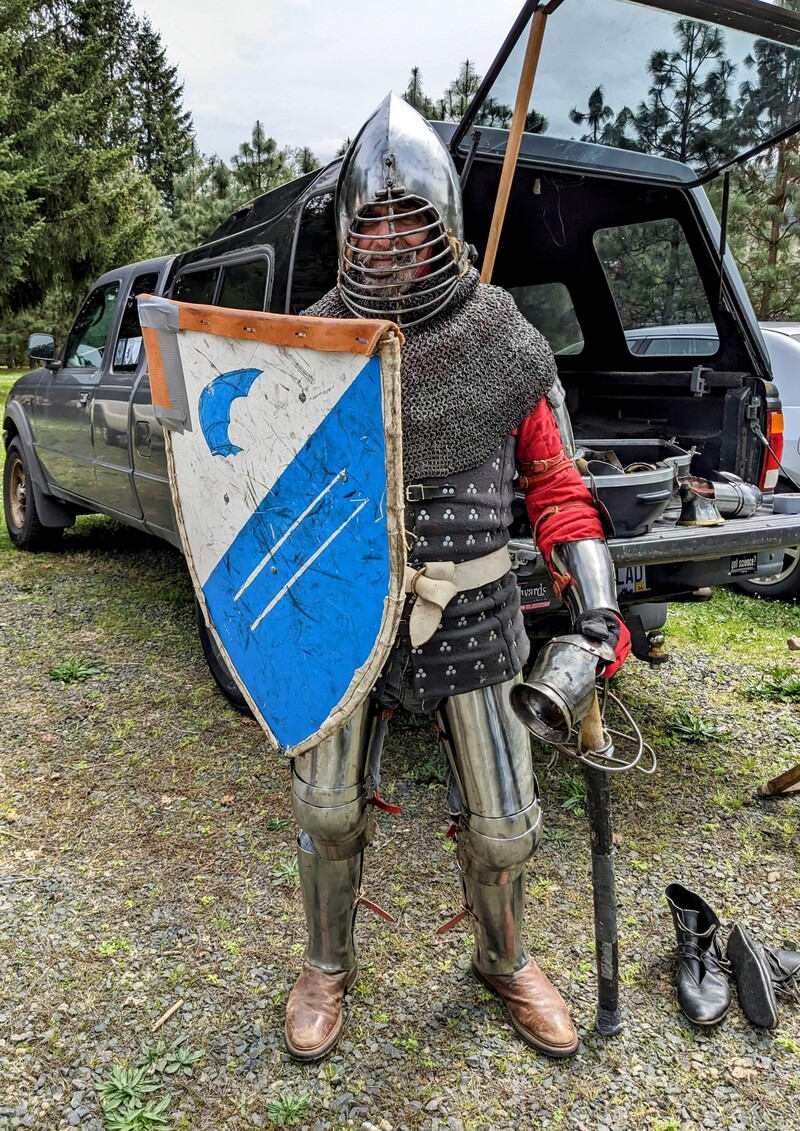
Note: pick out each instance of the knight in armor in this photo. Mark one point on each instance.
(476, 423)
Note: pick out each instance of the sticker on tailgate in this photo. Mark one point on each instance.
(536, 595)
(743, 563)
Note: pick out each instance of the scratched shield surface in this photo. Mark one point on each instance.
(283, 439)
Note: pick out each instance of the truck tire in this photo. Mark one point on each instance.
(24, 526)
(217, 665)
(783, 585)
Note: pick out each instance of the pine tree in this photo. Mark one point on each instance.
(688, 114)
(596, 116)
(163, 127)
(205, 194)
(415, 96)
(85, 205)
(766, 233)
(260, 165)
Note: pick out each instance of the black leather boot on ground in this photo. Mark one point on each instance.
(704, 994)
(762, 974)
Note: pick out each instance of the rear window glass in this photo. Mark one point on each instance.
(672, 346)
(653, 277)
(129, 340)
(549, 308)
(244, 285)
(196, 286)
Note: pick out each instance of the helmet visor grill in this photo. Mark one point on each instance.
(397, 260)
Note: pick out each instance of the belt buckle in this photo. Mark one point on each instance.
(415, 493)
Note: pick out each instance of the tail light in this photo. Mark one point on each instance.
(768, 480)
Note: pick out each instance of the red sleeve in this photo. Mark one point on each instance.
(559, 504)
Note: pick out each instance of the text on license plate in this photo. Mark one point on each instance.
(631, 579)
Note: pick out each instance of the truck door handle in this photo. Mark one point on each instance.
(142, 437)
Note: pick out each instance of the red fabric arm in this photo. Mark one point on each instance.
(559, 504)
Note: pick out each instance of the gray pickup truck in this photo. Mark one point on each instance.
(597, 240)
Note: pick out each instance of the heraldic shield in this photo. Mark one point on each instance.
(284, 447)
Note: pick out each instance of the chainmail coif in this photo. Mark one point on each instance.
(469, 376)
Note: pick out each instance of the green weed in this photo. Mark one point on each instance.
(431, 772)
(170, 1058)
(782, 685)
(285, 873)
(72, 669)
(288, 1108)
(575, 800)
(123, 1098)
(692, 728)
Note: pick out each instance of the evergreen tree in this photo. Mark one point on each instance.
(163, 128)
(302, 161)
(596, 116)
(765, 233)
(688, 114)
(204, 195)
(85, 205)
(260, 165)
(415, 96)
(460, 92)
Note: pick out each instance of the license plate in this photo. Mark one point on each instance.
(631, 579)
(744, 563)
(535, 595)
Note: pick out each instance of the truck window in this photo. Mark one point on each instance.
(315, 256)
(129, 338)
(87, 339)
(244, 285)
(196, 286)
(652, 275)
(548, 306)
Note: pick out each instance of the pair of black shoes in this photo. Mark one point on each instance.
(762, 973)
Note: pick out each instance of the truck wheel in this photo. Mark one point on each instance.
(217, 665)
(783, 585)
(24, 526)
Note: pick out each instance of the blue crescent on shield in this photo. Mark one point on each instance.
(214, 408)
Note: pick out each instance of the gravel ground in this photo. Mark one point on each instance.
(146, 858)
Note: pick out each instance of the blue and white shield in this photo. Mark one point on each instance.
(284, 447)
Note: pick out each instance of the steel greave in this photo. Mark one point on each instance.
(496, 915)
(330, 892)
(500, 823)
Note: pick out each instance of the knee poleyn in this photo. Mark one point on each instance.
(494, 850)
(338, 821)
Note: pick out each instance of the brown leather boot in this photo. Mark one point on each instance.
(314, 1017)
(536, 1009)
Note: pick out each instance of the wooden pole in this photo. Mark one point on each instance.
(787, 782)
(530, 63)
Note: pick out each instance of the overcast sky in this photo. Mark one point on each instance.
(313, 70)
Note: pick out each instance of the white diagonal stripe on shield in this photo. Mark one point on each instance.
(306, 565)
(339, 477)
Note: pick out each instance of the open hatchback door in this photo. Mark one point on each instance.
(703, 83)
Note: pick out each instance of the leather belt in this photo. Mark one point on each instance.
(435, 584)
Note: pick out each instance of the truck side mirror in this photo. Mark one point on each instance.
(41, 347)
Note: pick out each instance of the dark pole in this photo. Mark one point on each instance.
(604, 891)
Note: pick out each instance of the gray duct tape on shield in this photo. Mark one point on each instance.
(162, 315)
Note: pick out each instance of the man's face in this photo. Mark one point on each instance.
(380, 232)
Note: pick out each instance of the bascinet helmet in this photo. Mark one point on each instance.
(399, 219)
